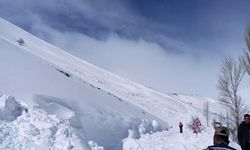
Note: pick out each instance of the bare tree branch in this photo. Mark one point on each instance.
(230, 77)
(246, 57)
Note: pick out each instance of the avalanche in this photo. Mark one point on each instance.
(72, 104)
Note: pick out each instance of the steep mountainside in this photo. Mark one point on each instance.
(98, 104)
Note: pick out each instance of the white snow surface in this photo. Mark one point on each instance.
(173, 140)
(34, 129)
(73, 104)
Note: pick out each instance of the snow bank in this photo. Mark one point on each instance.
(94, 146)
(23, 128)
(143, 126)
(33, 128)
(10, 109)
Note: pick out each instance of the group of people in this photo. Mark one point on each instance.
(221, 136)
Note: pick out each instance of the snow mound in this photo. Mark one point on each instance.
(10, 109)
(142, 127)
(23, 128)
(94, 146)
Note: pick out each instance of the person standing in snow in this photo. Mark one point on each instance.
(243, 133)
(180, 126)
(221, 139)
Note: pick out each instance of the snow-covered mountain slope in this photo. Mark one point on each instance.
(98, 104)
(124, 89)
(95, 114)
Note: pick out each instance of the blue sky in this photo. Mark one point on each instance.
(199, 23)
(171, 45)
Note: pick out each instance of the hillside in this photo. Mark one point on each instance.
(98, 104)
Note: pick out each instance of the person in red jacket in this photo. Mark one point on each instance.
(180, 126)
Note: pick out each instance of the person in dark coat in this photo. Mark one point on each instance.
(243, 134)
(221, 139)
(181, 126)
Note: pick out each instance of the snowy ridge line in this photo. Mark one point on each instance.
(144, 97)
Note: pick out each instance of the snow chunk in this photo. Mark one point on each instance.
(142, 127)
(94, 146)
(10, 109)
(34, 129)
